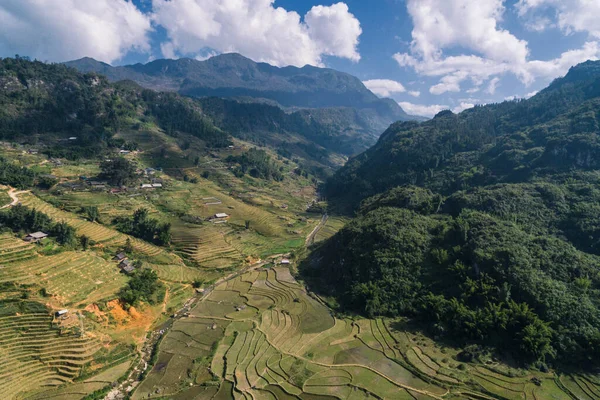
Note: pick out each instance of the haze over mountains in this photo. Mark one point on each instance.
(235, 76)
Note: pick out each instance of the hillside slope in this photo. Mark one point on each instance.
(482, 225)
(234, 76)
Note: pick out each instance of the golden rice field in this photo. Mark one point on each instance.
(73, 277)
(35, 352)
(262, 336)
(97, 232)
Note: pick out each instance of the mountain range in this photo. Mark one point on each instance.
(291, 88)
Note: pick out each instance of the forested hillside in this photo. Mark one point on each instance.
(483, 225)
(59, 102)
(53, 102)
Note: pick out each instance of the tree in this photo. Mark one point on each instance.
(85, 242)
(91, 213)
(128, 246)
(247, 223)
(64, 233)
(118, 171)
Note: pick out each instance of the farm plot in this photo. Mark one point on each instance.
(74, 277)
(101, 234)
(280, 343)
(207, 245)
(34, 355)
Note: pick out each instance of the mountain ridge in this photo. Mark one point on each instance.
(235, 76)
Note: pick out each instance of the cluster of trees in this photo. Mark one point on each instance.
(482, 225)
(22, 219)
(256, 163)
(118, 171)
(13, 175)
(142, 286)
(142, 226)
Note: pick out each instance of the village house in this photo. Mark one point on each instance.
(60, 313)
(35, 237)
(124, 152)
(146, 186)
(285, 261)
(119, 257)
(157, 185)
(126, 266)
(221, 216)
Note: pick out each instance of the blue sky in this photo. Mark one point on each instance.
(426, 54)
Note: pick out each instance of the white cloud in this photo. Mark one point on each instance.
(538, 24)
(414, 93)
(420, 109)
(571, 15)
(334, 30)
(491, 89)
(384, 87)
(530, 94)
(68, 29)
(462, 107)
(443, 25)
(470, 24)
(259, 30)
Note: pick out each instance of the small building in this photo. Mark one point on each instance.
(149, 171)
(124, 152)
(157, 185)
(128, 269)
(73, 138)
(285, 261)
(126, 266)
(32, 151)
(119, 257)
(60, 313)
(221, 216)
(35, 237)
(146, 186)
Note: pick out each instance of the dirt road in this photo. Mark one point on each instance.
(12, 192)
(310, 240)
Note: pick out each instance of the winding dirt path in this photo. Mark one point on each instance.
(12, 192)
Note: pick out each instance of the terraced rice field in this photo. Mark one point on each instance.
(32, 351)
(73, 277)
(262, 336)
(330, 228)
(97, 232)
(207, 245)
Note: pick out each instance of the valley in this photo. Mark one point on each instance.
(155, 246)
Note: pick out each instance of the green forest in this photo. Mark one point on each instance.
(481, 226)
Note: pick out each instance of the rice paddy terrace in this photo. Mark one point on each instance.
(34, 352)
(263, 336)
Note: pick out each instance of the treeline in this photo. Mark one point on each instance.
(256, 163)
(143, 227)
(22, 219)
